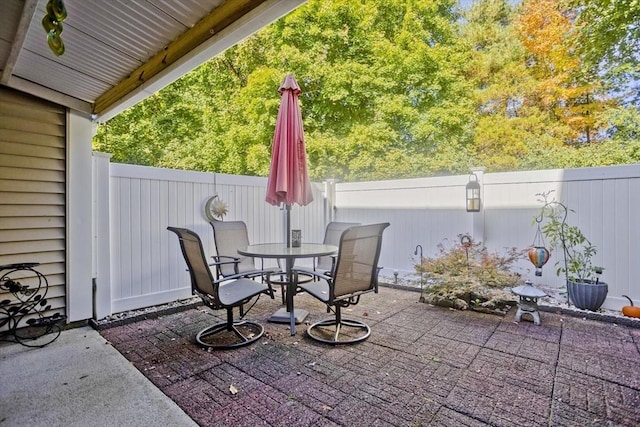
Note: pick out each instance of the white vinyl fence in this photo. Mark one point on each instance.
(429, 211)
(144, 265)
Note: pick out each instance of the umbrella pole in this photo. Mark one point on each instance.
(288, 224)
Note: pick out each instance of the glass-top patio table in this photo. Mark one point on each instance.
(289, 254)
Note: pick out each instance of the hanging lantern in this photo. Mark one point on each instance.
(473, 194)
(538, 255)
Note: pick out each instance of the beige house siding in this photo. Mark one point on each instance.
(32, 189)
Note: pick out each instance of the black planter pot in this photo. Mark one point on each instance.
(587, 295)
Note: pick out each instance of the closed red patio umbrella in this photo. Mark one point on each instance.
(288, 180)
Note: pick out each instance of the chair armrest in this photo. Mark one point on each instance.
(236, 261)
(306, 271)
(222, 279)
(218, 261)
(255, 273)
(245, 275)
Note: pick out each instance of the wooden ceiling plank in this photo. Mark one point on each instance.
(220, 18)
(28, 11)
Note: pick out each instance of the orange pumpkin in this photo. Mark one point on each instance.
(630, 310)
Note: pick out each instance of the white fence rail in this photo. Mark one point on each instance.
(145, 266)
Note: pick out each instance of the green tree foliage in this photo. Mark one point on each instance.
(390, 89)
(608, 35)
(382, 86)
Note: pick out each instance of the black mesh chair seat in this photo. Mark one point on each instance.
(238, 290)
(226, 293)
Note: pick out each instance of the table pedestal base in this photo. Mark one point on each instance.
(283, 316)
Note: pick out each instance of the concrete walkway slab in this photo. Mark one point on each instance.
(79, 380)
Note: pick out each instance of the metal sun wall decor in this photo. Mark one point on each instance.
(52, 24)
(215, 209)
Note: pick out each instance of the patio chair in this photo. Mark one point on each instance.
(355, 273)
(332, 235)
(224, 293)
(228, 237)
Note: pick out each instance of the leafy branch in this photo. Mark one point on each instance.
(578, 250)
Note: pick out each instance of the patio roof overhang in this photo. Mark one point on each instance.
(117, 52)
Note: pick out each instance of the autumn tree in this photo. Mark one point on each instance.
(500, 78)
(567, 89)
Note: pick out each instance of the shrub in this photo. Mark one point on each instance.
(469, 276)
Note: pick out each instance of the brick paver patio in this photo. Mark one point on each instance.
(422, 365)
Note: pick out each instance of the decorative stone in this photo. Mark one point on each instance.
(528, 303)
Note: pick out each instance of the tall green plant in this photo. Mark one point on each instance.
(578, 251)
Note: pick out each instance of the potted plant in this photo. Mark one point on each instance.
(584, 288)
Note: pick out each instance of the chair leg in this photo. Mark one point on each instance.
(336, 330)
(230, 317)
(282, 282)
(282, 291)
(229, 334)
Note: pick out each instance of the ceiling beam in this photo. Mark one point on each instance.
(218, 19)
(28, 11)
(50, 95)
